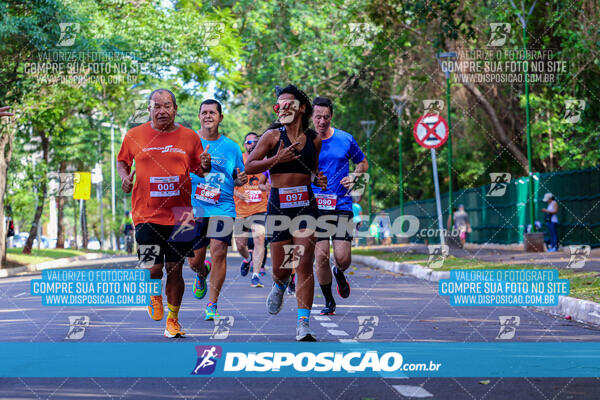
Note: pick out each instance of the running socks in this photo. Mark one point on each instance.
(249, 259)
(303, 313)
(211, 304)
(173, 311)
(326, 289)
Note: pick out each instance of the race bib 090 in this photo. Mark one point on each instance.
(326, 201)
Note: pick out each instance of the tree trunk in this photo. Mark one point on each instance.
(76, 245)
(498, 129)
(60, 206)
(42, 192)
(7, 135)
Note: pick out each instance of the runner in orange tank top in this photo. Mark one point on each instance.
(251, 209)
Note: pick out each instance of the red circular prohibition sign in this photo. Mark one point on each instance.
(431, 131)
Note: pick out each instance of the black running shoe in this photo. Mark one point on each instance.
(343, 287)
(329, 308)
(245, 267)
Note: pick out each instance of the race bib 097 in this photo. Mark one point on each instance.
(292, 197)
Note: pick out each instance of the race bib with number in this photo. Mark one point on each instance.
(253, 196)
(164, 186)
(291, 197)
(207, 194)
(326, 201)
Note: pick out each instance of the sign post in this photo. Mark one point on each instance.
(444, 65)
(431, 132)
(438, 203)
(523, 19)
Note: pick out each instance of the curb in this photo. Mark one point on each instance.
(579, 310)
(59, 263)
(415, 270)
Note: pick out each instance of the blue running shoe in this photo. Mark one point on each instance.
(211, 312)
(199, 287)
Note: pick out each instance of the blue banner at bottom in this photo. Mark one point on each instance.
(397, 359)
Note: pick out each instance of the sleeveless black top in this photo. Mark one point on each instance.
(304, 164)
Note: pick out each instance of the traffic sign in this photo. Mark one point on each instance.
(83, 185)
(431, 131)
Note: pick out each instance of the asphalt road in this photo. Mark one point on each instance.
(407, 309)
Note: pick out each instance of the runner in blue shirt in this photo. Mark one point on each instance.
(338, 149)
(214, 208)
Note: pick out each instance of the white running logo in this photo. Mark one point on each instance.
(207, 361)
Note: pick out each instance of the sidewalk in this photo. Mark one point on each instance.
(508, 255)
(58, 263)
(584, 311)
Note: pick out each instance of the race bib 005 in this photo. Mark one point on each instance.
(164, 186)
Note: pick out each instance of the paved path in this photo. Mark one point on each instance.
(408, 309)
(499, 255)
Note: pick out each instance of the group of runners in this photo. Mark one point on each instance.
(193, 190)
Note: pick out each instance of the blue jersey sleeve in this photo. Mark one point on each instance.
(354, 152)
(239, 160)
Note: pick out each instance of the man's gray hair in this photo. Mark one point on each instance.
(163, 90)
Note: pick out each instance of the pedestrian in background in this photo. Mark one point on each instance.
(551, 220)
(462, 224)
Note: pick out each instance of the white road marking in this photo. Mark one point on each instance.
(322, 318)
(20, 294)
(412, 391)
(348, 340)
(336, 332)
(329, 324)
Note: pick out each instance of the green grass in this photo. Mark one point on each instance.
(16, 258)
(584, 284)
(37, 256)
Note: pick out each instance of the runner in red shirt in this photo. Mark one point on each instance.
(164, 153)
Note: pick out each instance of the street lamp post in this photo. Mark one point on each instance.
(399, 104)
(113, 202)
(522, 18)
(446, 70)
(368, 128)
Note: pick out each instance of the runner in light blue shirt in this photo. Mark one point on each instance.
(226, 158)
(214, 208)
